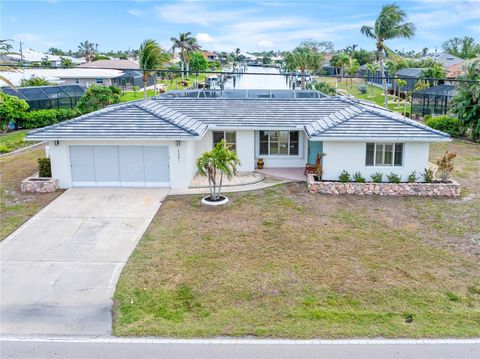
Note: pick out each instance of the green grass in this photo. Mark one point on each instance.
(374, 93)
(282, 262)
(131, 96)
(17, 207)
(13, 141)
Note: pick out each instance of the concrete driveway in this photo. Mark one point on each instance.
(59, 270)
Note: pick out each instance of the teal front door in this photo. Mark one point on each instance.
(314, 148)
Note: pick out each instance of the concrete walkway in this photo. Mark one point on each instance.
(59, 270)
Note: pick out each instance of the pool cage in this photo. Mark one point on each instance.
(48, 97)
(435, 100)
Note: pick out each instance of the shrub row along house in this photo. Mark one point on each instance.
(156, 142)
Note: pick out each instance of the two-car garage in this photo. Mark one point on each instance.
(126, 166)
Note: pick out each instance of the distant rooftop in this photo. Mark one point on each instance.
(244, 94)
(119, 64)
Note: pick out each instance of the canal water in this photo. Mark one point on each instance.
(271, 82)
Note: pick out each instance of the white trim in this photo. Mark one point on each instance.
(381, 139)
(236, 341)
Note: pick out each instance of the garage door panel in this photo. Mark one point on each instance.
(82, 165)
(156, 162)
(106, 165)
(131, 165)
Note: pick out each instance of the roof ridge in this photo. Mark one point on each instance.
(144, 106)
(337, 118)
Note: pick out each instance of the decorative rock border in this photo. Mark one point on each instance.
(39, 184)
(434, 189)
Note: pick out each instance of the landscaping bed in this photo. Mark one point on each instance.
(280, 262)
(12, 141)
(17, 207)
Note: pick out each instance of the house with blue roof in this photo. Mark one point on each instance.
(156, 142)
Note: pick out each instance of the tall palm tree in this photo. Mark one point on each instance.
(237, 53)
(151, 57)
(186, 44)
(390, 24)
(352, 69)
(303, 59)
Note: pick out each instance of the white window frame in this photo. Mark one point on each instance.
(393, 144)
(225, 138)
(288, 146)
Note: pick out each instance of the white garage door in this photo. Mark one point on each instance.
(129, 166)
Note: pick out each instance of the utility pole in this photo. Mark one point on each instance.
(21, 54)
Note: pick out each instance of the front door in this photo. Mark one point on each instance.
(314, 148)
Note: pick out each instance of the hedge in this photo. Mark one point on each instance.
(44, 167)
(445, 123)
(42, 118)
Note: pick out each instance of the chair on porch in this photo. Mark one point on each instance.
(315, 168)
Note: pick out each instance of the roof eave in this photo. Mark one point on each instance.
(379, 139)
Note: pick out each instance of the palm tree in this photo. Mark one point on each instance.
(401, 87)
(436, 71)
(220, 160)
(151, 57)
(303, 59)
(88, 50)
(352, 69)
(6, 49)
(186, 44)
(237, 54)
(389, 25)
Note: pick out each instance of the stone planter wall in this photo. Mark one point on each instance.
(451, 189)
(39, 184)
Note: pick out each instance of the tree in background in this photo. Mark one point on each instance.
(304, 59)
(466, 103)
(372, 69)
(466, 47)
(6, 49)
(66, 62)
(389, 25)
(98, 97)
(352, 68)
(186, 44)
(237, 54)
(402, 88)
(436, 71)
(363, 56)
(198, 61)
(11, 109)
(88, 50)
(340, 61)
(151, 57)
(35, 81)
(325, 88)
(425, 51)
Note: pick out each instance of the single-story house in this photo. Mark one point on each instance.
(156, 142)
(31, 57)
(453, 64)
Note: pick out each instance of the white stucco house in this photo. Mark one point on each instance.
(156, 142)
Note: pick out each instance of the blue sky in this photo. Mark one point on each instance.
(224, 25)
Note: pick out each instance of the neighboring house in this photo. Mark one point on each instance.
(70, 76)
(411, 75)
(452, 64)
(156, 142)
(210, 56)
(376, 79)
(131, 74)
(434, 100)
(46, 97)
(29, 56)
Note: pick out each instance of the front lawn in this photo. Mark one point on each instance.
(13, 141)
(282, 262)
(17, 207)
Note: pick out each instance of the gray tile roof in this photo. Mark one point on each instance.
(186, 118)
(415, 72)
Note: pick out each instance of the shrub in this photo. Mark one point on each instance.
(44, 167)
(445, 165)
(357, 177)
(344, 176)
(362, 88)
(42, 118)
(447, 124)
(325, 88)
(428, 175)
(394, 178)
(377, 177)
(35, 81)
(412, 177)
(98, 97)
(11, 110)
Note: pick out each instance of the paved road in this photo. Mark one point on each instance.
(59, 270)
(139, 349)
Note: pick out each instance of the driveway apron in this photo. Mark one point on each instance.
(59, 270)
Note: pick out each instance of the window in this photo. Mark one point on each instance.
(384, 154)
(279, 143)
(99, 81)
(228, 136)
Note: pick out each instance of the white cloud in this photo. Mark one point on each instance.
(268, 44)
(204, 37)
(35, 41)
(455, 13)
(136, 12)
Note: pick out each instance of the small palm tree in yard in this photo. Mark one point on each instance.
(215, 164)
(372, 69)
(389, 25)
(151, 57)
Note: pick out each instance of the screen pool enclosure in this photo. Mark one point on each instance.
(48, 97)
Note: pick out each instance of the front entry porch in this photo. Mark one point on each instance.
(288, 173)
